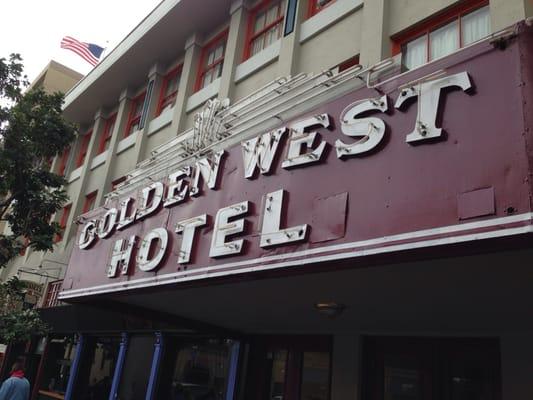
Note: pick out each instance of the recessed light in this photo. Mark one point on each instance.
(330, 308)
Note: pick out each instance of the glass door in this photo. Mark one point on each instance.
(289, 368)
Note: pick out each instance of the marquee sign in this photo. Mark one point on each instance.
(416, 165)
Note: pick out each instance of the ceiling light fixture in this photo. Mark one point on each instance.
(330, 308)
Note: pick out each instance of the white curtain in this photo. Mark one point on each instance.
(475, 25)
(415, 53)
(444, 41)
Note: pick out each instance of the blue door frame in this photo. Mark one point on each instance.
(232, 371)
(119, 367)
(156, 363)
(75, 367)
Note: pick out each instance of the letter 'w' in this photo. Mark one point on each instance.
(260, 152)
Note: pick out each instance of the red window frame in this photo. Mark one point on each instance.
(425, 28)
(211, 45)
(117, 182)
(166, 99)
(315, 8)
(107, 133)
(135, 113)
(343, 66)
(84, 147)
(65, 213)
(90, 201)
(52, 292)
(63, 161)
(251, 36)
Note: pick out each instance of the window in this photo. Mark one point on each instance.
(212, 60)
(134, 118)
(117, 182)
(315, 6)
(83, 148)
(456, 28)
(52, 291)
(265, 26)
(291, 368)
(169, 90)
(63, 161)
(431, 368)
(90, 201)
(107, 133)
(63, 221)
(343, 66)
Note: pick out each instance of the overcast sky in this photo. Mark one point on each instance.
(34, 28)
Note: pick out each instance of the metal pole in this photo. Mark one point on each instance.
(74, 368)
(156, 362)
(119, 367)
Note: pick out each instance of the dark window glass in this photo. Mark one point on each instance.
(136, 373)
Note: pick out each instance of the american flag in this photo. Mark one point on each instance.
(88, 51)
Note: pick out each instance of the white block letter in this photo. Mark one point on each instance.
(208, 170)
(156, 242)
(300, 141)
(260, 152)
(271, 234)
(88, 235)
(121, 256)
(370, 130)
(177, 189)
(224, 228)
(151, 198)
(188, 228)
(428, 104)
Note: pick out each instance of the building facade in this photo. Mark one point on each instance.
(298, 200)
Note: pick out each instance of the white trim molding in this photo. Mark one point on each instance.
(162, 120)
(99, 159)
(127, 142)
(327, 17)
(452, 234)
(74, 175)
(201, 96)
(258, 61)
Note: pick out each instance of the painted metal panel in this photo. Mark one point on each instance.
(401, 192)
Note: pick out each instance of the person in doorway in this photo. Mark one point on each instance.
(16, 387)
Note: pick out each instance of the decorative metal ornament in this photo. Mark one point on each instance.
(208, 126)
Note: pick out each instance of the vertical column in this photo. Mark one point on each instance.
(79, 197)
(517, 366)
(119, 367)
(232, 371)
(290, 41)
(156, 362)
(375, 40)
(74, 368)
(120, 125)
(346, 360)
(234, 48)
(153, 90)
(504, 13)
(186, 87)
